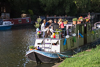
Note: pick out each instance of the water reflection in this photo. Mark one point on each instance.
(13, 47)
(32, 64)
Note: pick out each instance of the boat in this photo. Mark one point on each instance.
(45, 57)
(16, 21)
(5, 25)
(19, 21)
(52, 47)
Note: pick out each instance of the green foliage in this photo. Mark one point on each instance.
(39, 20)
(37, 24)
(30, 12)
(74, 19)
(52, 7)
(59, 31)
(31, 47)
(83, 5)
(84, 59)
(57, 6)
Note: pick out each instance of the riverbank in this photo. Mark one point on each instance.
(88, 58)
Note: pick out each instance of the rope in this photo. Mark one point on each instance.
(59, 57)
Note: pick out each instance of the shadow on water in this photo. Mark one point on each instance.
(33, 64)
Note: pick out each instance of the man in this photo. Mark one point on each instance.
(55, 25)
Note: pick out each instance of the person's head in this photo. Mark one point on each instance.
(88, 13)
(60, 20)
(74, 22)
(50, 21)
(55, 20)
(44, 21)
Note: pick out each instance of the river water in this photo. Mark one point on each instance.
(14, 45)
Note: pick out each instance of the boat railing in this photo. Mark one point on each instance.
(52, 35)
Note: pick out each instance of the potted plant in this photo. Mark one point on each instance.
(81, 18)
(66, 21)
(87, 19)
(78, 22)
(58, 33)
(37, 24)
(74, 20)
(39, 19)
(31, 47)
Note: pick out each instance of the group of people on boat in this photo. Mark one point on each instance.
(49, 27)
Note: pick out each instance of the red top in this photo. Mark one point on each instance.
(62, 25)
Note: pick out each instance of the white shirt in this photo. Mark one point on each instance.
(42, 27)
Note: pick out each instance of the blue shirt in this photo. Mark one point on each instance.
(47, 24)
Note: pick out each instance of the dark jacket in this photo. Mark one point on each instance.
(55, 26)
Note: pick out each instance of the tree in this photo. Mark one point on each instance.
(83, 5)
(58, 7)
(52, 7)
(95, 4)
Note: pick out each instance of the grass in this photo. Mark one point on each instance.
(89, 58)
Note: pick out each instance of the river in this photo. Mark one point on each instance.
(14, 45)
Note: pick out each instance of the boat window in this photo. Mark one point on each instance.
(27, 20)
(39, 43)
(20, 21)
(54, 43)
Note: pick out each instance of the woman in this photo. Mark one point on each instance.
(61, 24)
